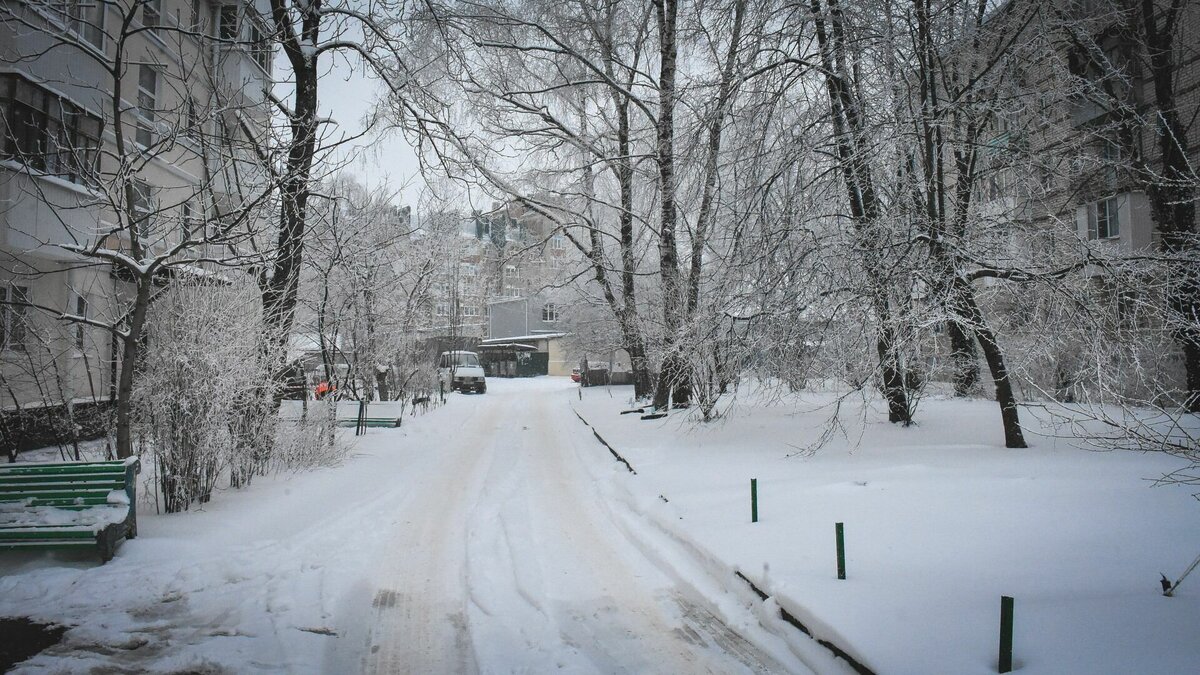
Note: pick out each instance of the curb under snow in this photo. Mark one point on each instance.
(785, 615)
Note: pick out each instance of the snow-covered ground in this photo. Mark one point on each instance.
(496, 534)
(940, 521)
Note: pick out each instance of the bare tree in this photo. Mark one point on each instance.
(845, 91)
(353, 285)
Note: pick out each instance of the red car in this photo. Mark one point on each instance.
(574, 374)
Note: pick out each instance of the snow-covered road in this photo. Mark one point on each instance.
(520, 567)
(490, 535)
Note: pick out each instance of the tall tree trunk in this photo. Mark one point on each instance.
(132, 340)
(131, 352)
(673, 376)
(967, 320)
(968, 308)
(1172, 192)
(281, 285)
(963, 358)
(627, 315)
(853, 161)
(643, 383)
(963, 354)
(624, 309)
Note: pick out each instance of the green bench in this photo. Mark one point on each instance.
(68, 505)
(390, 422)
(379, 413)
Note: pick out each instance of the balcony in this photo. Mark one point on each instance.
(44, 212)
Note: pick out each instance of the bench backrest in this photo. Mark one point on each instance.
(68, 485)
(346, 410)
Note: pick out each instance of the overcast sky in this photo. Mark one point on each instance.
(382, 160)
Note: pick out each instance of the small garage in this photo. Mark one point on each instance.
(521, 355)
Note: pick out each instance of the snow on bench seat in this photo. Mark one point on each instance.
(59, 505)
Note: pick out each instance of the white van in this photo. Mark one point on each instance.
(461, 370)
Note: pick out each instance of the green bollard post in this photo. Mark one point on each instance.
(841, 550)
(1006, 633)
(754, 500)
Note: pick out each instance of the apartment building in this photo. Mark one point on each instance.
(1074, 141)
(126, 128)
(1068, 165)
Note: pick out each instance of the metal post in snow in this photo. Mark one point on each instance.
(754, 500)
(1006, 634)
(840, 533)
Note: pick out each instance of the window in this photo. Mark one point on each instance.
(443, 309)
(512, 272)
(14, 327)
(550, 312)
(152, 13)
(191, 119)
(45, 132)
(470, 310)
(1111, 158)
(143, 208)
(227, 22)
(147, 103)
(81, 310)
(85, 18)
(190, 219)
(260, 47)
(1046, 178)
(470, 270)
(453, 359)
(558, 242)
(1104, 219)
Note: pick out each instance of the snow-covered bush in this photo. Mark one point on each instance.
(203, 398)
(310, 441)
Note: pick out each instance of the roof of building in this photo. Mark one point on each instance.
(508, 345)
(522, 338)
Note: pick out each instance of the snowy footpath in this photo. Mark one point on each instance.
(493, 534)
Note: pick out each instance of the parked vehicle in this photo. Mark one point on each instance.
(574, 374)
(461, 370)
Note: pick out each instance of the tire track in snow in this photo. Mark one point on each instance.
(504, 562)
(418, 607)
(555, 586)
